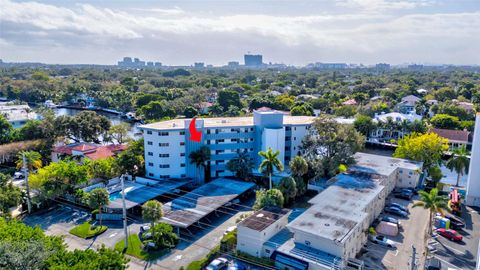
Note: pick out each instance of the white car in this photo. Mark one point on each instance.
(382, 240)
(218, 264)
(229, 230)
(18, 175)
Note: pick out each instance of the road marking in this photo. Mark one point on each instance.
(112, 235)
(177, 258)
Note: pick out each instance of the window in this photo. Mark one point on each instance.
(219, 151)
(287, 148)
(287, 138)
(182, 143)
(150, 153)
(267, 251)
(150, 143)
(149, 132)
(182, 165)
(220, 141)
(150, 164)
(163, 155)
(183, 175)
(401, 171)
(163, 144)
(410, 173)
(162, 133)
(150, 174)
(182, 154)
(288, 128)
(182, 132)
(164, 166)
(307, 243)
(295, 128)
(165, 176)
(294, 138)
(220, 161)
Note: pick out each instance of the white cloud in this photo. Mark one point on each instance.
(382, 5)
(180, 36)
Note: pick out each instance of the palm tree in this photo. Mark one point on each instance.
(241, 165)
(29, 160)
(433, 202)
(201, 158)
(298, 166)
(459, 162)
(152, 211)
(98, 198)
(269, 163)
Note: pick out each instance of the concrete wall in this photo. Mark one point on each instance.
(407, 178)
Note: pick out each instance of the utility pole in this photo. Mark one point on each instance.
(413, 264)
(25, 172)
(122, 177)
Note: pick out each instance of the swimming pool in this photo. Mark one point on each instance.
(115, 195)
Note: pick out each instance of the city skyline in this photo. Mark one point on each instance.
(216, 32)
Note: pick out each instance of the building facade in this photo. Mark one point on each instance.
(253, 60)
(167, 143)
(473, 183)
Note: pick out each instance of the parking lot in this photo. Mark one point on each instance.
(412, 233)
(459, 255)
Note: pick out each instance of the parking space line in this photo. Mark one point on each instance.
(451, 248)
(455, 267)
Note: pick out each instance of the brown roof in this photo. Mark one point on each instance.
(263, 218)
(452, 135)
(91, 151)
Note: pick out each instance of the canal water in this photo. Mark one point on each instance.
(114, 119)
(449, 177)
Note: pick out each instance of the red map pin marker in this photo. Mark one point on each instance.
(195, 135)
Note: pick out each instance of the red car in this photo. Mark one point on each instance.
(450, 234)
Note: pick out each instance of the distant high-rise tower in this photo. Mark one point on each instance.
(473, 184)
(253, 60)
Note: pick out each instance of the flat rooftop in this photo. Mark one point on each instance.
(138, 194)
(193, 206)
(263, 218)
(224, 122)
(382, 165)
(337, 210)
(305, 253)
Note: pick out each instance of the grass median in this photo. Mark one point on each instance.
(135, 249)
(86, 230)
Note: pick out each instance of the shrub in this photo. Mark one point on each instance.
(229, 241)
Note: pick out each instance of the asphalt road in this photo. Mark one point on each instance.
(460, 255)
(413, 233)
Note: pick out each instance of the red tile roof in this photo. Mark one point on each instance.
(452, 135)
(350, 102)
(92, 151)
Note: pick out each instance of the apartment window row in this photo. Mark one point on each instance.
(225, 130)
(164, 155)
(163, 144)
(164, 166)
(162, 133)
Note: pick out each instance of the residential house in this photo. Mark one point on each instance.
(86, 150)
(456, 138)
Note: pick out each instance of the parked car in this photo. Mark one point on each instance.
(405, 194)
(382, 240)
(455, 222)
(433, 264)
(18, 176)
(230, 229)
(399, 206)
(236, 266)
(450, 234)
(218, 264)
(396, 211)
(392, 220)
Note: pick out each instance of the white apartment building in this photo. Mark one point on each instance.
(254, 231)
(473, 183)
(330, 233)
(167, 143)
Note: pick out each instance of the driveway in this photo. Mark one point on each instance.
(460, 255)
(413, 233)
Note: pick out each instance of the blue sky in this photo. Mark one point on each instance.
(294, 32)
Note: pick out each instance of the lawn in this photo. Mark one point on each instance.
(135, 249)
(86, 230)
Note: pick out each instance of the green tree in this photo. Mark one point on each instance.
(329, 144)
(288, 187)
(269, 163)
(152, 211)
(265, 198)
(98, 198)
(433, 202)
(445, 121)
(119, 132)
(190, 112)
(102, 258)
(201, 158)
(299, 168)
(131, 161)
(459, 162)
(156, 110)
(241, 165)
(102, 168)
(364, 124)
(227, 98)
(435, 174)
(10, 195)
(163, 236)
(6, 130)
(427, 148)
(301, 108)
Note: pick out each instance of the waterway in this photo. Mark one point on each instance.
(134, 131)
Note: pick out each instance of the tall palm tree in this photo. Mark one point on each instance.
(269, 163)
(29, 160)
(98, 198)
(459, 162)
(433, 202)
(201, 158)
(241, 165)
(152, 211)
